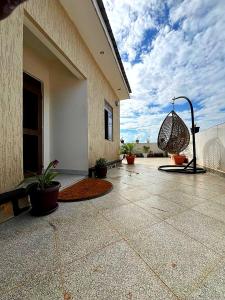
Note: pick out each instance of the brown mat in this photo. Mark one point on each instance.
(85, 189)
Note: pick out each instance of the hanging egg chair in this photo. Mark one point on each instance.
(174, 135)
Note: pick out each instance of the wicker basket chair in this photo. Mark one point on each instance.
(174, 135)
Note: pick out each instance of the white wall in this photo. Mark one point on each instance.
(153, 147)
(210, 146)
(69, 120)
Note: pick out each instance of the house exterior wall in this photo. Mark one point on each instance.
(50, 17)
(11, 68)
(53, 20)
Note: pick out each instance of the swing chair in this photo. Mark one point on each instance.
(174, 137)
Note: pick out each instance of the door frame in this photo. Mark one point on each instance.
(39, 131)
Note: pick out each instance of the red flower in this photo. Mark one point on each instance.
(55, 163)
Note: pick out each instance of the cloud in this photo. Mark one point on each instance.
(170, 48)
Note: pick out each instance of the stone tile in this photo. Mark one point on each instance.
(115, 272)
(220, 199)
(25, 254)
(135, 194)
(40, 286)
(84, 236)
(212, 209)
(70, 211)
(22, 224)
(110, 200)
(129, 218)
(160, 207)
(198, 192)
(182, 198)
(205, 229)
(180, 261)
(68, 179)
(213, 287)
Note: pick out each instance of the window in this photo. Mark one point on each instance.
(108, 112)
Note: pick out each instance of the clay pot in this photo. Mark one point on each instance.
(44, 202)
(130, 159)
(179, 159)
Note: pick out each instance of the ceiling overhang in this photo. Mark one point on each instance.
(94, 30)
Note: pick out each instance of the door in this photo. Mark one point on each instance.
(32, 125)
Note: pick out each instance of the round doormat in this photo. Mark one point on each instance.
(85, 189)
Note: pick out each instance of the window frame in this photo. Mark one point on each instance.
(109, 109)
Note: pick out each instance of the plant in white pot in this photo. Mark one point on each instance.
(146, 150)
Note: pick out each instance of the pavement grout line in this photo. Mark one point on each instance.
(126, 239)
(186, 234)
(201, 282)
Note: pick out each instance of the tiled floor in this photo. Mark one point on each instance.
(155, 236)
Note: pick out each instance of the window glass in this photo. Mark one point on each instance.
(108, 114)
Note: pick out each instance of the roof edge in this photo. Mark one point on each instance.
(109, 29)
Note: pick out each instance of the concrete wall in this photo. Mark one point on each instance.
(153, 147)
(54, 23)
(210, 146)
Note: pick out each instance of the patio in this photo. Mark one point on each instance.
(155, 236)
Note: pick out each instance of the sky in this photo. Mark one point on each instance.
(170, 48)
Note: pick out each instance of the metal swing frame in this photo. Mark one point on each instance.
(191, 167)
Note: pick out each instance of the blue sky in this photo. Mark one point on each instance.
(170, 48)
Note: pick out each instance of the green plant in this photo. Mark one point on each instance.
(101, 163)
(146, 149)
(127, 148)
(45, 179)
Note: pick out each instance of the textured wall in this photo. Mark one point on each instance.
(210, 145)
(54, 21)
(11, 53)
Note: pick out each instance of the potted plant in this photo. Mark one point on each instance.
(127, 149)
(179, 159)
(44, 192)
(101, 168)
(145, 150)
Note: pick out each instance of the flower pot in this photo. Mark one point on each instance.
(145, 155)
(130, 159)
(196, 129)
(44, 202)
(100, 172)
(179, 159)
